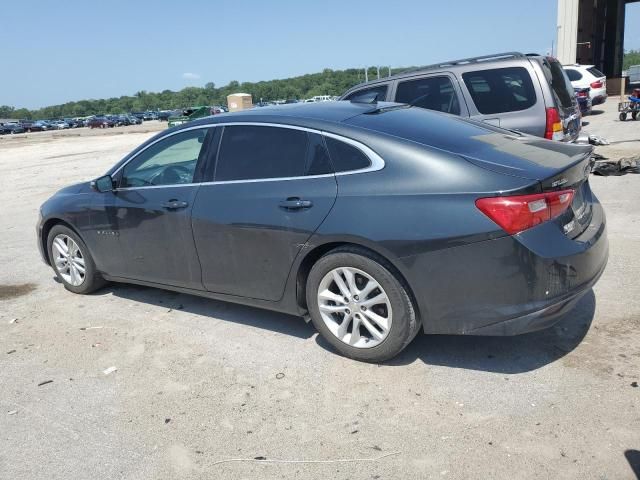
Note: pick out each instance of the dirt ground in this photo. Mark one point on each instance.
(201, 381)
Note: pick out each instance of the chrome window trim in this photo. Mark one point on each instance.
(377, 163)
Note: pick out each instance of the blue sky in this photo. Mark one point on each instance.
(72, 50)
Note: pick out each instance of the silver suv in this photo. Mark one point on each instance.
(529, 93)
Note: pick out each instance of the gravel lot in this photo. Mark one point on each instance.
(199, 381)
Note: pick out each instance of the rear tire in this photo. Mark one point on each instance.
(382, 328)
(634, 115)
(72, 262)
(623, 117)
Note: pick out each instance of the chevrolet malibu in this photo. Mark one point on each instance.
(376, 221)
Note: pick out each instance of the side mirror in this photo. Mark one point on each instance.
(103, 184)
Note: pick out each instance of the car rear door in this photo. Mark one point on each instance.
(507, 97)
(439, 92)
(273, 186)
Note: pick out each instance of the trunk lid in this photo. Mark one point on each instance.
(556, 166)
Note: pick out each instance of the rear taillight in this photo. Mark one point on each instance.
(520, 212)
(596, 84)
(553, 129)
(582, 94)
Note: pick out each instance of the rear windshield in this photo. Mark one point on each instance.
(595, 72)
(559, 82)
(500, 90)
(425, 126)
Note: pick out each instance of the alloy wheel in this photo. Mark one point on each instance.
(68, 260)
(354, 307)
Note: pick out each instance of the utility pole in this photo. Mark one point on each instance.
(366, 74)
(378, 71)
(389, 67)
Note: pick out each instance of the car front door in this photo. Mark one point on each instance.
(148, 214)
(273, 186)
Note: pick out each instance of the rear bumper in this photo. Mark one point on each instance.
(539, 320)
(510, 285)
(599, 97)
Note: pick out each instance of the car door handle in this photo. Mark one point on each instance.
(174, 204)
(295, 203)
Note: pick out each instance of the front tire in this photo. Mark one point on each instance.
(359, 306)
(72, 262)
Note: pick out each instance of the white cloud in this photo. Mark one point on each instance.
(190, 76)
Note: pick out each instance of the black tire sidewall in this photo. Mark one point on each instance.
(92, 279)
(403, 325)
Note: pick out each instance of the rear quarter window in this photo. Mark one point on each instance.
(595, 72)
(345, 157)
(500, 90)
(573, 75)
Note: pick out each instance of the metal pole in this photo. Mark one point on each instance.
(389, 70)
(366, 74)
(378, 71)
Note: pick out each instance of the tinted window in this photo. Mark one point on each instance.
(595, 72)
(433, 93)
(318, 162)
(345, 157)
(559, 83)
(377, 93)
(500, 90)
(253, 152)
(170, 161)
(573, 75)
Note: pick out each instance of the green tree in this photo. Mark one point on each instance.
(631, 57)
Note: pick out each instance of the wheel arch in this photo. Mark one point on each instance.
(318, 251)
(46, 228)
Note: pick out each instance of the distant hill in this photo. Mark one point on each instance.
(327, 82)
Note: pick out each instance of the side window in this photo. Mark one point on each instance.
(255, 152)
(377, 93)
(574, 75)
(500, 90)
(345, 157)
(171, 161)
(318, 162)
(433, 93)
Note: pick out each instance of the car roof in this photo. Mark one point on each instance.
(319, 112)
(466, 63)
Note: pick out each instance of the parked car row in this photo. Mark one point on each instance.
(94, 121)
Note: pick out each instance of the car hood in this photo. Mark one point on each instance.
(84, 187)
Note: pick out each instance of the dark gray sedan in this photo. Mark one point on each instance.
(377, 221)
